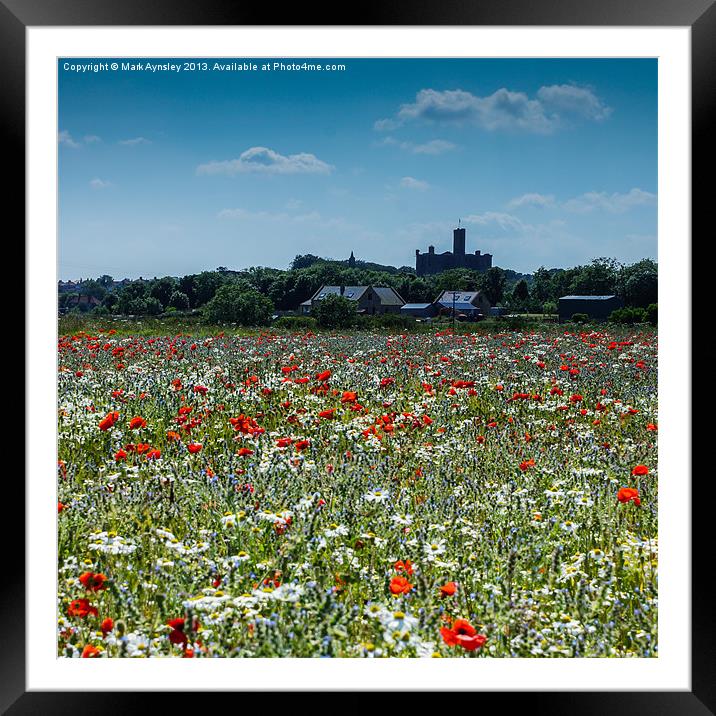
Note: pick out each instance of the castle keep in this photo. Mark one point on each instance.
(457, 258)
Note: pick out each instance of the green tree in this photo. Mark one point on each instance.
(131, 299)
(162, 289)
(234, 303)
(187, 285)
(335, 312)
(153, 306)
(541, 285)
(638, 284)
(207, 284)
(304, 261)
(179, 300)
(599, 278)
(110, 301)
(458, 279)
(92, 288)
(493, 284)
(521, 292)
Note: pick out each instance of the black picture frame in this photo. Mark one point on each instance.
(699, 15)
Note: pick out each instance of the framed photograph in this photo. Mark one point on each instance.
(359, 353)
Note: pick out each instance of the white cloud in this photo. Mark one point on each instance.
(294, 204)
(615, 203)
(572, 99)
(503, 109)
(412, 183)
(538, 200)
(385, 125)
(267, 161)
(505, 222)
(311, 217)
(65, 138)
(98, 183)
(91, 139)
(136, 141)
(432, 147)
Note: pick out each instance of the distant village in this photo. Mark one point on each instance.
(455, 284)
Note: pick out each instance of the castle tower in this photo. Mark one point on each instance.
(352, 261)
(458, 242)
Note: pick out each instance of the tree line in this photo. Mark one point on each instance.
(252, 296)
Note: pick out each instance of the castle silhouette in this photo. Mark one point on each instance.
(457, 258)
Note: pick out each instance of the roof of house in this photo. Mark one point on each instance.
(464, 296)
(416, 306)
(388, 296)
(352, 293)
(586, 298)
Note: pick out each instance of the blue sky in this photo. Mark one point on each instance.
(545, 162)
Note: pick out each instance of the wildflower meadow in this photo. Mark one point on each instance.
(361, 495)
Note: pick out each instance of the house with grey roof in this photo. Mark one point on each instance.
(370, 300)
(470, 304)
(597, 308)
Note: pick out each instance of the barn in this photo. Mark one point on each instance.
(597, 308)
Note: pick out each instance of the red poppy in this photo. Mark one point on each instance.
(137, 422)
(628, 494)
(93, 582)
(121, 454)
(302, 444)
(325, 375)
(60, 507)
(400, 585)
(527, 464)
(81, 608)
(109, 420)
(448, 589)
(194, 447)
(328, 414)
(90, 652)
(349, 396)
(106, 626)
(245, 451)
(177, 635)
(463, 634)
(401, 566)
(640, 471)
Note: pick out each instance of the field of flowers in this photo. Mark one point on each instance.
(363, 495)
